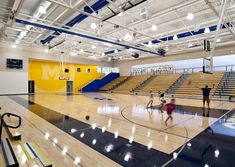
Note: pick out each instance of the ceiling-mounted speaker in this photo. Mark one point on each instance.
(56, 44)
(161, 52)
(135, 55)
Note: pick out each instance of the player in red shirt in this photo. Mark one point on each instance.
(170, 107)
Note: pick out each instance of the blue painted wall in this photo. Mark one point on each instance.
(97, 84)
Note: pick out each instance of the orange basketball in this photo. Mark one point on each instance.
(87, 117)
(189, 82)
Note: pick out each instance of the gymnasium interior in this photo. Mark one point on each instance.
(110, 83)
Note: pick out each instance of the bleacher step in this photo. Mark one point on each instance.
(8, 154)
(33, 152)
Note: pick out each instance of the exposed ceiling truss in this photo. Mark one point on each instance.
(135, 23)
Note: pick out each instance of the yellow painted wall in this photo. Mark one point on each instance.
(46, 76)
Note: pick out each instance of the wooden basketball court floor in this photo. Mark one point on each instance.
(114, 119)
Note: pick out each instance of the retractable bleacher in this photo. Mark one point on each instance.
(192, 86)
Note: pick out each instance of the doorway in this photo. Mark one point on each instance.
(69, 87)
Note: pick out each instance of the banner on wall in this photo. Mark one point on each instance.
(154, 69)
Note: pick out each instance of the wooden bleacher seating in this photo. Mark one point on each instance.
(113, 83)
(34, 162)
(232, 90)
(160, 83)
(34, 154)
(131, 84)
(192, 86)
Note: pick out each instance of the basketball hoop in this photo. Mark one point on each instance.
(63, 77)
(207, 65)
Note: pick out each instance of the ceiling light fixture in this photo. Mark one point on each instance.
(81, 50)
(190, 45)
(115, 51)
(72, 54)
(150, 43)
(46, 50)
(23, 33)
(175, 37)
(128, 37)
(120, 14)
(13, 46)
(190, 16)
(218, 40)
(207, 30)
(17, 41)
(42, 10)
(93, 46)
(93, 26)
(154, 27)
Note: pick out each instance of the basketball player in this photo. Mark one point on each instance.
(162, 102)
(150, 103)
(170, 107)
(206, 96)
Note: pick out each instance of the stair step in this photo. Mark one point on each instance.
(33, 152)
(8, 154)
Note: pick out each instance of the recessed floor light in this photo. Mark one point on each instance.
(94, 141)
(77, 160)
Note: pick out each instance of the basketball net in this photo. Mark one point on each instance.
(62, 76)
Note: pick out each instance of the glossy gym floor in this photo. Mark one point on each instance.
(122, 132)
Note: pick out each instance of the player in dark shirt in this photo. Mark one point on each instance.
(206, 96)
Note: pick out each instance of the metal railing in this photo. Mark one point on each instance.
(9, 126)
(149, 71)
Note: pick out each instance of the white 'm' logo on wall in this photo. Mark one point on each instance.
(49, 73)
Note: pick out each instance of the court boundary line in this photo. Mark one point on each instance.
(156, 129)
(183, 146)
(187, 139)
(163, 130)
